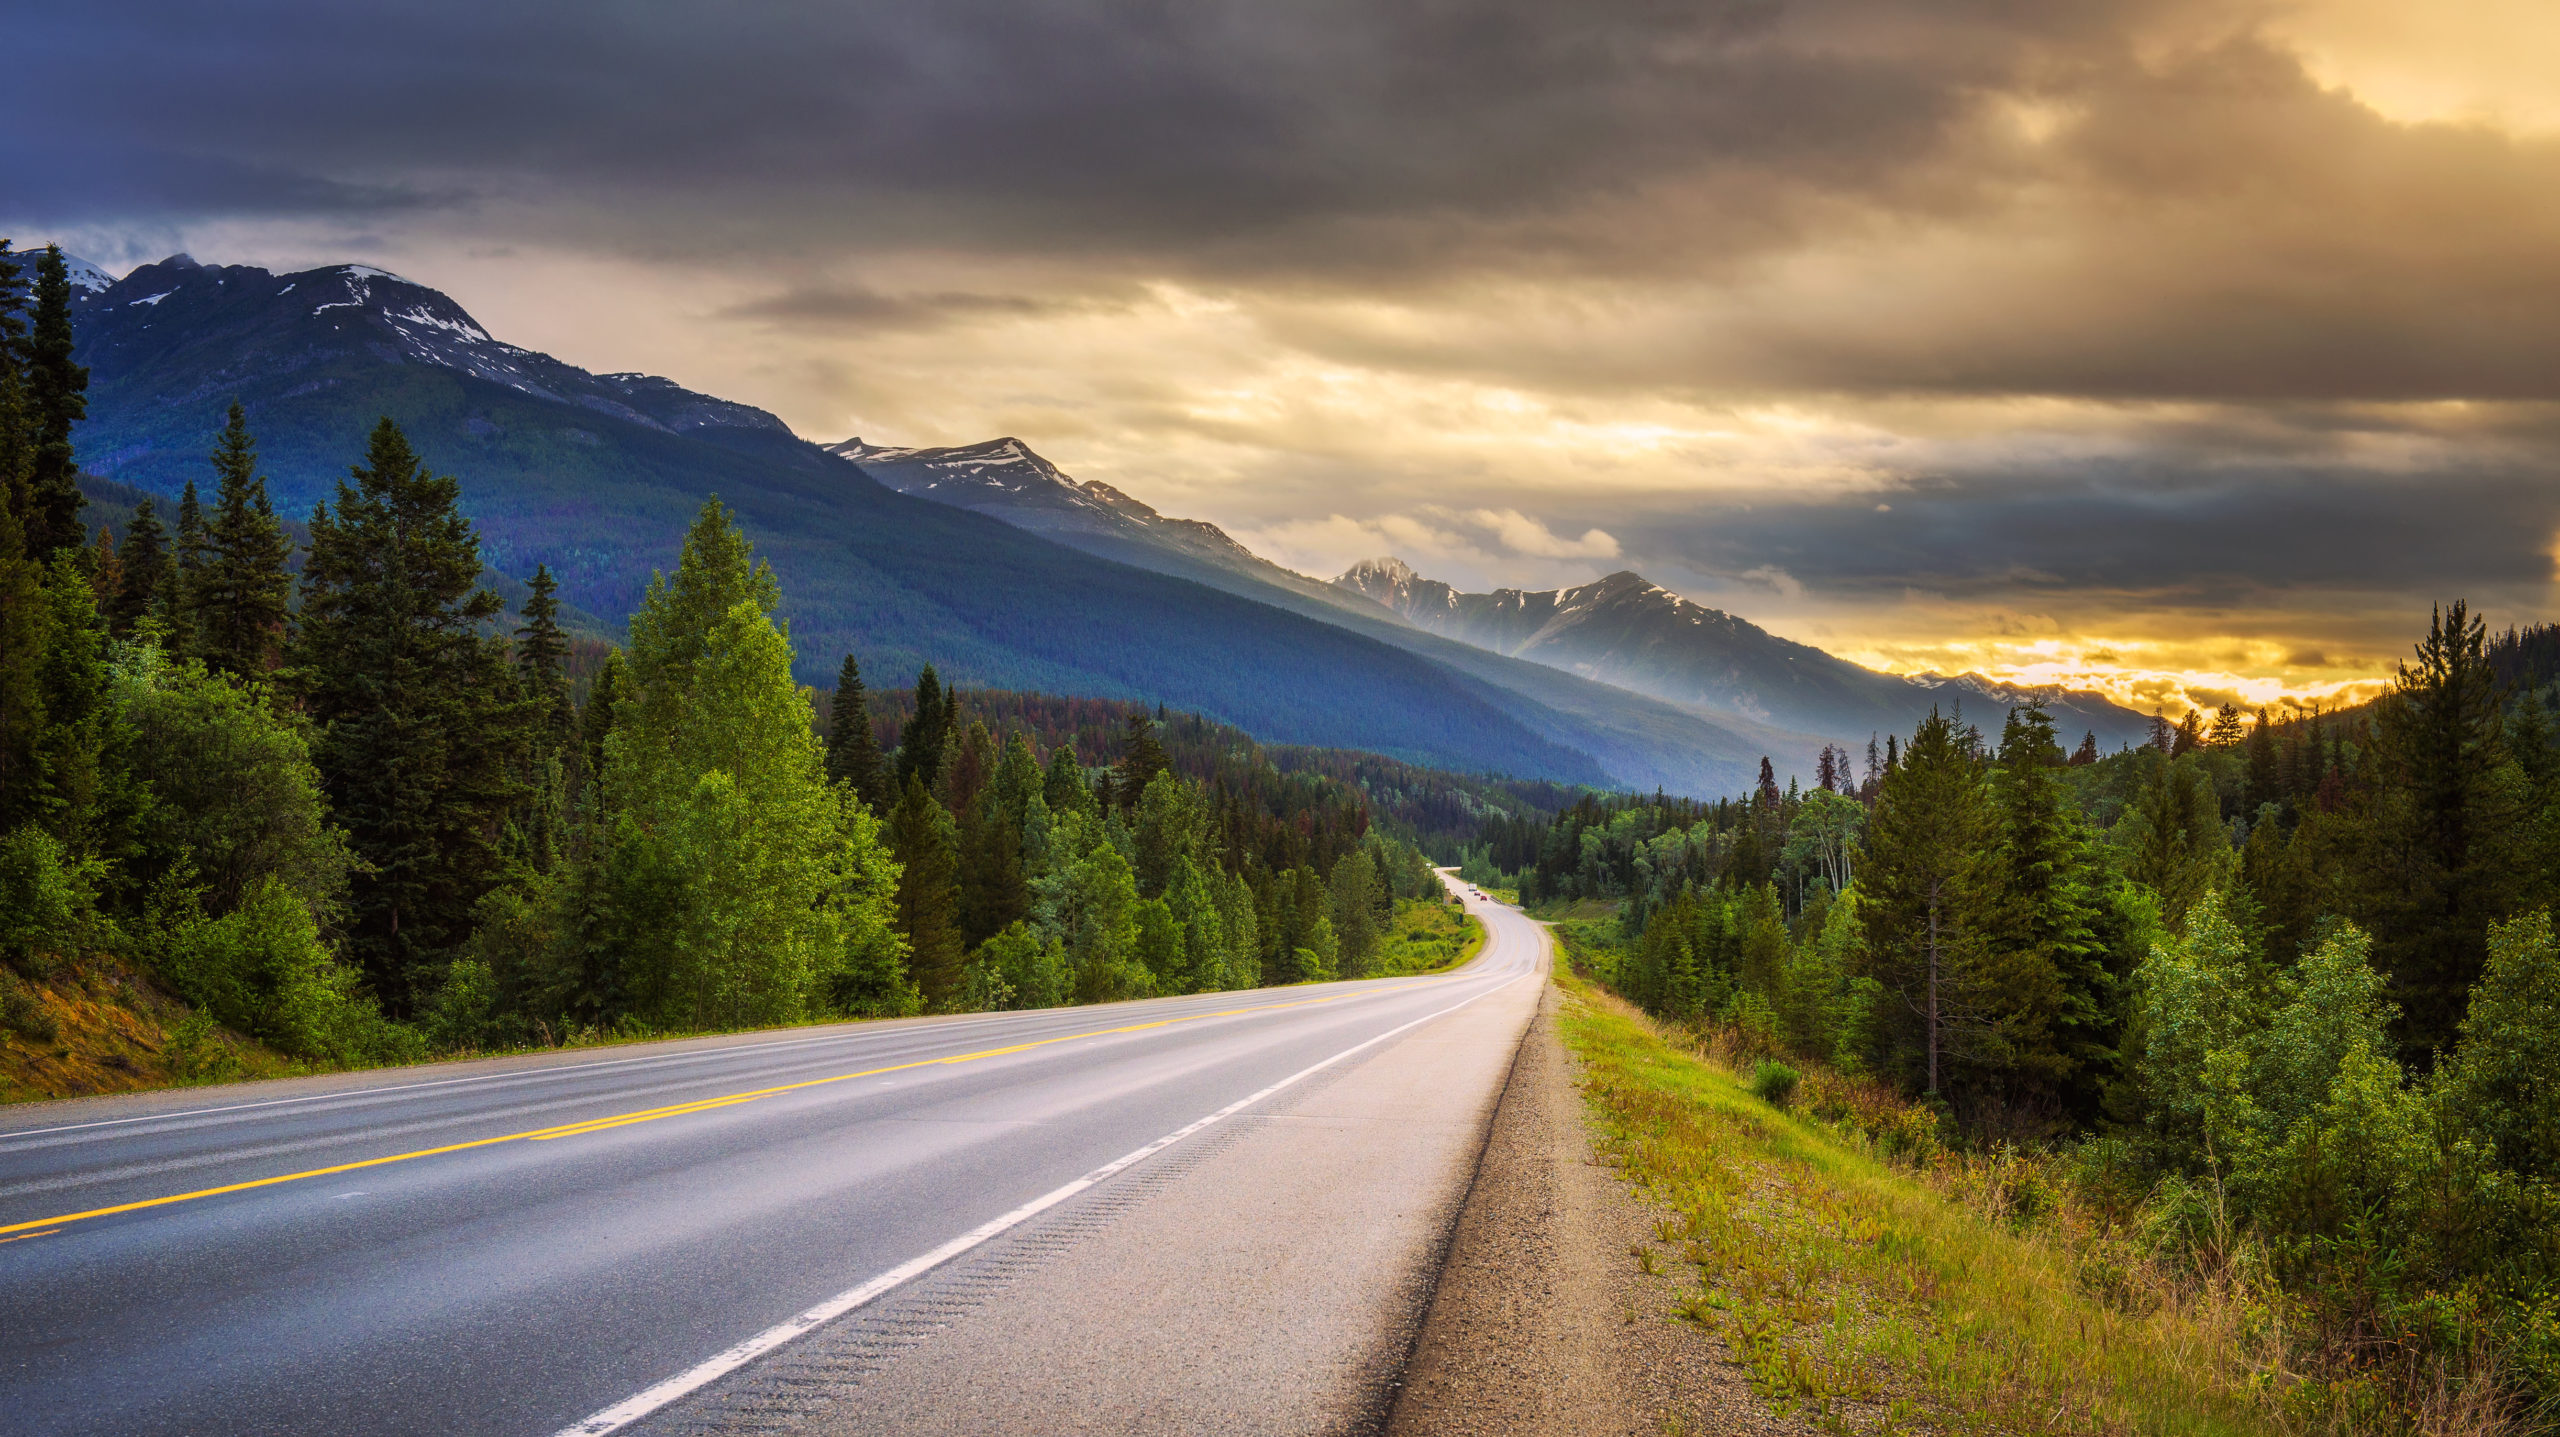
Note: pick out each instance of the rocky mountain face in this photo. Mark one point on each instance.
(1630, 632)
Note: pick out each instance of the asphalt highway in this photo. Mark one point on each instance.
(967, 1221)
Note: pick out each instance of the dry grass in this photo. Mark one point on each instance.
(96, 1026)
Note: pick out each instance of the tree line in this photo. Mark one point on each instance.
(2293, 975)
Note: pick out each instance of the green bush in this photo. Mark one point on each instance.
(262, 969)
(1775, 1083)
(48, 905)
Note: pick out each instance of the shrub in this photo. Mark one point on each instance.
(1775, 1083)
(22, 1014)
(47, 901)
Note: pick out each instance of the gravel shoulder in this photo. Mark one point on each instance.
(1544, 1321)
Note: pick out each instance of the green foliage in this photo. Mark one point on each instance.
(56, 402)
(853, 751)
(422, 723)
(262, 969)
(1774, 1083)
(1018, 968)
(235, 796)
(48, 900)
(238, 597)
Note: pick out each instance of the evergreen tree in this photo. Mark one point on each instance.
(2447, 814)
(922, 839)
(1063, 786)
(554, 755)
(146, 570)
(853, 752)
(106, 571)
(1141, 759)
(1924, 875)
(596, 719)
(17, 430)
(56, 390)
(2087, 752)
(2057, 998)
(924, 738)
(26, 632)
(422, 724)
(2260, 786)
(241, 593)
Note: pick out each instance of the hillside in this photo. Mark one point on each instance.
(597, 476)
(1627, 631)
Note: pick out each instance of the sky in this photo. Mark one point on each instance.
(2186, 350)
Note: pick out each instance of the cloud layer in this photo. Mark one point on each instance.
(2236, 332)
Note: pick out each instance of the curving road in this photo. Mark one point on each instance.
(1213, 1213)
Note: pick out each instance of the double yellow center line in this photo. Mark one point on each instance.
(649, 1115)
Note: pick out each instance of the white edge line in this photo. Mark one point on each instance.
(632, 1409)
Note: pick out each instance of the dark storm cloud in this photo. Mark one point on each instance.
(2108, 199)
(2104, 535)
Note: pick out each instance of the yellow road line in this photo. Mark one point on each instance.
(22, 1237)
(646, 1115)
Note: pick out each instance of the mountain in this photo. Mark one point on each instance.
(597, 475)
(1631, 734)
(1630, 632)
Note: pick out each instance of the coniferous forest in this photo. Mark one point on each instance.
(339, 798)
(2266, 1004)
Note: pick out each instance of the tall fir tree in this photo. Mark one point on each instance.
(554, 757)
(57, 390)
(2447, 811)
(1925, 880)
(2056, 996)
(1142, 757)
(422, 723)
(853, 751)
(26, 631)
(17, 432)
(241, 594)
(146, 570)
(924, 740)
(923, 840)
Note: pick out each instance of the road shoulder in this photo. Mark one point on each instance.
(1543, 1321)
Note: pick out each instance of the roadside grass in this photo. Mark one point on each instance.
(1867, 1298)
(1427, 937)
(1575, 910)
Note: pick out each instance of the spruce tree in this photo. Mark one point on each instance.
(554, 753)
(2056, 997)
(922, 839)
(1141, 759)
(597, 718)
(853, 751)
(26, 631)
(106, 570)
(924, 738)
(241, 593)
(2448, 817)
(422, 723)
(56, 402)
(146, 570)
(1924, 882)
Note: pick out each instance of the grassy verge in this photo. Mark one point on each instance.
(1427, 938)
(1871, 1297)
(100, 1027)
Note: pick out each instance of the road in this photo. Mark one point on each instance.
(1217, 1212)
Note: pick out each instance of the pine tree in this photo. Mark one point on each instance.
(596, 719)
(924, 738)
(922, 839)
(1925, 881)
(422, 723)
(853, 751)
(146, 570)
(1352, 904)
(2087, 752)
(2228, 731)
(2189, 736)
(56, 390)
(1141, 759)
(26, 631)
(2056, 996)
(2261, 786)
(554, 756)
(2448, 817)
(241, 593)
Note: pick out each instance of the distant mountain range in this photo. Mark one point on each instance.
(1785, 698)
(598, 474)
(1631, 632)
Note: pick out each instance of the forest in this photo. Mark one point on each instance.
(336, 796)
(2270, 998)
